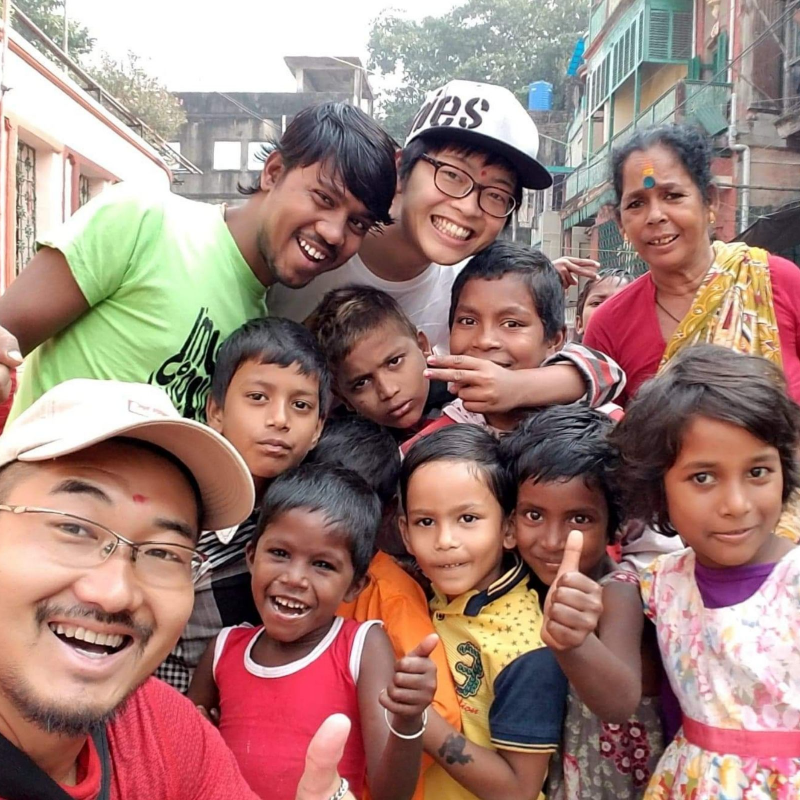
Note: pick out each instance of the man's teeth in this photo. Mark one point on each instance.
(664, 240)
(112, 640)
(452, 566)
(450, 228)
(311, 251)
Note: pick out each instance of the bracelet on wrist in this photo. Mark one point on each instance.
(341, 791)
(407, 736)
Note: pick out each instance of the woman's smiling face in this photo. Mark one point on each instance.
(666, 221)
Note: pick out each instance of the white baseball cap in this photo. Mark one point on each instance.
(492, 118)
(79, 413)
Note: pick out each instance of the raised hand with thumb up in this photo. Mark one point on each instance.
(414, 684)
(574, 603)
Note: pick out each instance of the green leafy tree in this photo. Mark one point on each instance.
(49, 16)
(142, 94)
(508, 42)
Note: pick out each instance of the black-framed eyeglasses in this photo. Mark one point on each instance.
(73, 541)
(455, 182)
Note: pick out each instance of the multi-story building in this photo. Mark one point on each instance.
(225, 132)
(726, 67)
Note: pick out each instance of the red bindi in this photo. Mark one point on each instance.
(139, 498)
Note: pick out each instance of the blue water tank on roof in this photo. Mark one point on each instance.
(540, 96)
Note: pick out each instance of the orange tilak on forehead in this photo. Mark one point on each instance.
(139, 498)
(648, 176)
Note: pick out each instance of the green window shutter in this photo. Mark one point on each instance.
(681, 35)
(721, 55)
(625, 54)
(659, 44)
(642, 52)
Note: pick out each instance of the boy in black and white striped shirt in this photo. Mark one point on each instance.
(270, 393)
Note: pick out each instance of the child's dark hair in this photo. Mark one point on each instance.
(433, 143)
(271, 341)
(612, 273)
(359, 151)
(342, 496)
(702, 381)
(467, 443)
(689, 145)
(345, 315)
(533, 267)
(366, 448)
(565, 442)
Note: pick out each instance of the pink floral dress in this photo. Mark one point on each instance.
(737, 669)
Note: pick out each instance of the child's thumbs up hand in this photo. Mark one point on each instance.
(574, 603)
(414, 684)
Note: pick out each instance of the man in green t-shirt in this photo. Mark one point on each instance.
(145, 288)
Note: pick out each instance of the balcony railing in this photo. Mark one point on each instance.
(692, 101)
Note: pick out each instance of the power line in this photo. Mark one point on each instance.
(356, 66)
(242, 107)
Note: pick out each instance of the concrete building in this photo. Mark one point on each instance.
(59, 146)
(724, 65)
(226, 131)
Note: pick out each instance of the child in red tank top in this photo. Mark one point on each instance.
(270, 687)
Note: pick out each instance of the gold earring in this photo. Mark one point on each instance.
(712, 218)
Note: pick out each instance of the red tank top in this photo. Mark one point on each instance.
(269, 714)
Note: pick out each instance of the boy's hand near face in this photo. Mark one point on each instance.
(571, 269)
(483, 386)
(574, 603)
(413, 686)
(487, 388)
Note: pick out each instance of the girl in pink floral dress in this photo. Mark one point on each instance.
(709, 453)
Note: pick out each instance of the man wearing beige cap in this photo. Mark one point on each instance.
(103, 491)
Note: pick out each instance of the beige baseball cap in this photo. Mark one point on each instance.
(79, 413)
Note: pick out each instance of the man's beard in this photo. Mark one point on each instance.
(276, 274)
(50, 717)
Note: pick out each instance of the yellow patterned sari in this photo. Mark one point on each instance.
(733, 308)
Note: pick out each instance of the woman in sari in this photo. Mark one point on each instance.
(695, 290)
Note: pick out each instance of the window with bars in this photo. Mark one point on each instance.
(26, 205)
(614, 253)
(84, 190)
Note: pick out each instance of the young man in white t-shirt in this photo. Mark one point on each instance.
(471, 150)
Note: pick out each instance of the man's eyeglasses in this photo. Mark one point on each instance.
(455, 182)
(74, 541)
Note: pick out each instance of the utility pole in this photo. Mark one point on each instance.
(65, 46)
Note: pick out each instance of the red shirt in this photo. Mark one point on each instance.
(161, 748)
(268, 715)
(626, 327)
